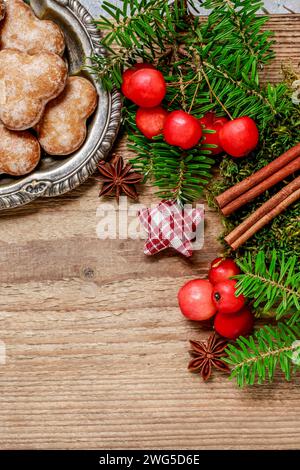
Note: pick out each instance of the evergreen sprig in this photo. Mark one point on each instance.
(208, 65)
(273, 285)
(138, 30)
(178, 175)
(146, 22)
(229, 52)
(244, 27)
(255, 359)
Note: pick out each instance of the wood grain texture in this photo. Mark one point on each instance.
(96, 347)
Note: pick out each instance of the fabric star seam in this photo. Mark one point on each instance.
(170, 225)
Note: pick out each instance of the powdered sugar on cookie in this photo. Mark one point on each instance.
(62, 129)
(28, 83)
(19, 152)
(22, 30)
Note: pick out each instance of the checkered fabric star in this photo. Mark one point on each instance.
(169, 225)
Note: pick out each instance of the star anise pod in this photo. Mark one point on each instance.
(208, 354)
(118, 178)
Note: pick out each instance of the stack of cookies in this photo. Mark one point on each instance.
(40, 105)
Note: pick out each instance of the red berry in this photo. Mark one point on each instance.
(239, 137)
(182, 129)
(233, 326)
(195, 300)
(128, 74)
(146, 87)
(224, 297)
(150, 121)
(222, 269)
(125, 81)
(211, 122)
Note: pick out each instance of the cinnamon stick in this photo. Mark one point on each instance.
(268, 182)
(264, 210)
(265, 220)
(253, 180)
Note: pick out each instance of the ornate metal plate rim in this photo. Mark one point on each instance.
(42, 183)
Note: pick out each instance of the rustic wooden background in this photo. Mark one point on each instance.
(96, 347)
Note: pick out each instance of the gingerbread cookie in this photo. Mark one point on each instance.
(22, 30)
(19, 152)
(27, 83)
(2, 9)
(62, 129)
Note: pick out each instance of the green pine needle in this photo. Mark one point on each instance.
(273, 285)
(178, 175)
(255, 359)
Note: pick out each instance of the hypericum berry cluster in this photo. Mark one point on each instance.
(146, 87)
(202, 299)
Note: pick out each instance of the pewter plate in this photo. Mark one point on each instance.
(57, 175)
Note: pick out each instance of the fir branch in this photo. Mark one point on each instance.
(180, 74)
(246, 87)
(232, 47)
(244, 25)
(255, 359)
(178, 175)
(108, 69)
(273, 285)
(138, 30)
(201, 65)
(136, 20)
(230, 67)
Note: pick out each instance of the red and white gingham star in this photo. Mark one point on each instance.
(169, 225)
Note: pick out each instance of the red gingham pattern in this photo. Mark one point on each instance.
(169, 225)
